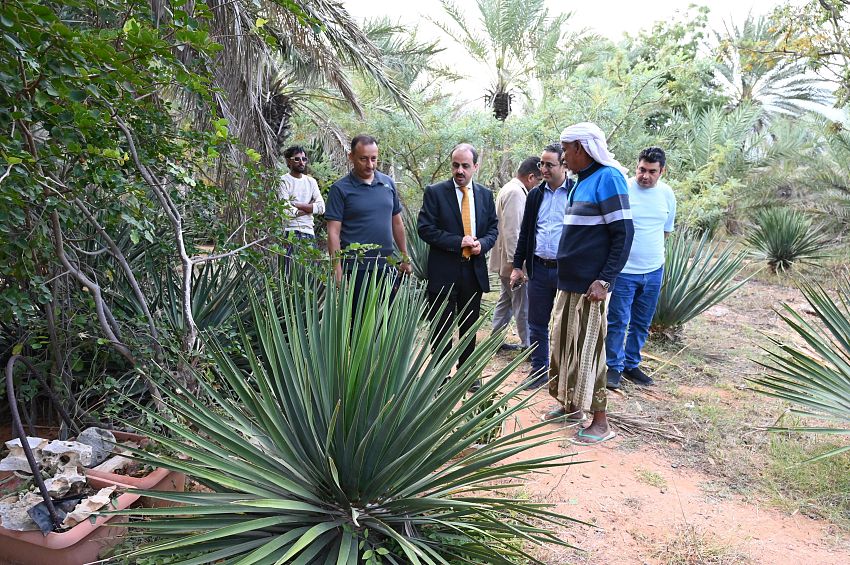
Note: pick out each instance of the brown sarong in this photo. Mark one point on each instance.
(577, 366)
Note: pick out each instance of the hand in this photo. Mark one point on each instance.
(338, 272)
(467, 241)
(596, 292)
(303, 209)
(476, 248)
(405, 268)
(517, 277)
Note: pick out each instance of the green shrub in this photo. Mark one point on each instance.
(815, 379)
(697, 275)
(341, 443)
(785, 237)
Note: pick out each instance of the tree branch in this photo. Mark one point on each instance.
(118, 255)
(197, 260)
(191, 337)
(93, 288)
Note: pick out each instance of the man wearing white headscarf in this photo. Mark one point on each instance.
(595, 242)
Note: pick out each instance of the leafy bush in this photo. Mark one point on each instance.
(697, 275)
(341, 441)
(785, 237)
(818, 378)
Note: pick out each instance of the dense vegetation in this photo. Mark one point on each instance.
(141, 144)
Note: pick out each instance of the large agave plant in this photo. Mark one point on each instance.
(416, 246)
(697, 275)
(816, 380)
(342, 444)
(785, 237)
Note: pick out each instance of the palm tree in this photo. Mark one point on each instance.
(751, 72)
(274, 47)
(520, 42)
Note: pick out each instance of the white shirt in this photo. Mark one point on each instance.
(471, 194)
(302, 190)
(653, 213)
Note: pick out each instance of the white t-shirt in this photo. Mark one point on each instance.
(302, 191)
(653, 213)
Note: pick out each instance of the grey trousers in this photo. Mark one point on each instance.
(512, 303)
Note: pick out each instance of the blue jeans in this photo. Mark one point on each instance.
(542, 287)
(630, 311)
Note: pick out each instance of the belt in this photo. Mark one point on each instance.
(550, 263)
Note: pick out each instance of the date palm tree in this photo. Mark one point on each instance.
(516, 39)
(751, 72)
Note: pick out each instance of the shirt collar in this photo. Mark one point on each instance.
(355, 180)
(457, 186)
(588, 170)
(563, 185)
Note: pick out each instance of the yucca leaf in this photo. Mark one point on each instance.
(815, 381)
(697, 275)
(785, 237)
(337, 420)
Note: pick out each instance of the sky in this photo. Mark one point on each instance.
(610, 18)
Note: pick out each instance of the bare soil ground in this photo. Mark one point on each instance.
(721, 492)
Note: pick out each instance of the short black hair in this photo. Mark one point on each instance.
(362, 139)
(653, 155)
(293, 151)
(466, 147)
(554, 148)
(529, 166)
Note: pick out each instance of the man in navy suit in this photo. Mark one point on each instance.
(458, 222)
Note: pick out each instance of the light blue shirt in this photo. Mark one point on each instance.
(550, 221)
(653, 213)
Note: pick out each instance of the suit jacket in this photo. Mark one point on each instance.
(441, 227)
(510, 204)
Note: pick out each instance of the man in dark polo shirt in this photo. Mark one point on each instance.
(363, 208)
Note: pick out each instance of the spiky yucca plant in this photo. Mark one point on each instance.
(816, 380)
(697, 275)
(785, 237)
(340, 444)
(418, 249)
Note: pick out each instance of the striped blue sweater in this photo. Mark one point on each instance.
(598, 230)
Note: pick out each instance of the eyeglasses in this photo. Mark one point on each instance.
(546, 164)
(299, 159)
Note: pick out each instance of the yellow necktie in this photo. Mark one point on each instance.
(466, 217)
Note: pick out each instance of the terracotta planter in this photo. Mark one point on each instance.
(159, 479)
(81, 544)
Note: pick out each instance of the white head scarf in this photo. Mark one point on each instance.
(593, 141)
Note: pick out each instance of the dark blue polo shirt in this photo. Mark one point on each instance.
(365, 210)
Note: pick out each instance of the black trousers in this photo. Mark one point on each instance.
(463, 302)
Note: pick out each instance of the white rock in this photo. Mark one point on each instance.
(17, 459)
(88, 506)
(13, 516)
(67, 452)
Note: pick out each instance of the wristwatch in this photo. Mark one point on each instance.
(605, 284)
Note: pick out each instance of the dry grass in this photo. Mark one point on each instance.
(689, 546)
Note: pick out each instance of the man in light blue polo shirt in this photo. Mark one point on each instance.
(635, 294)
